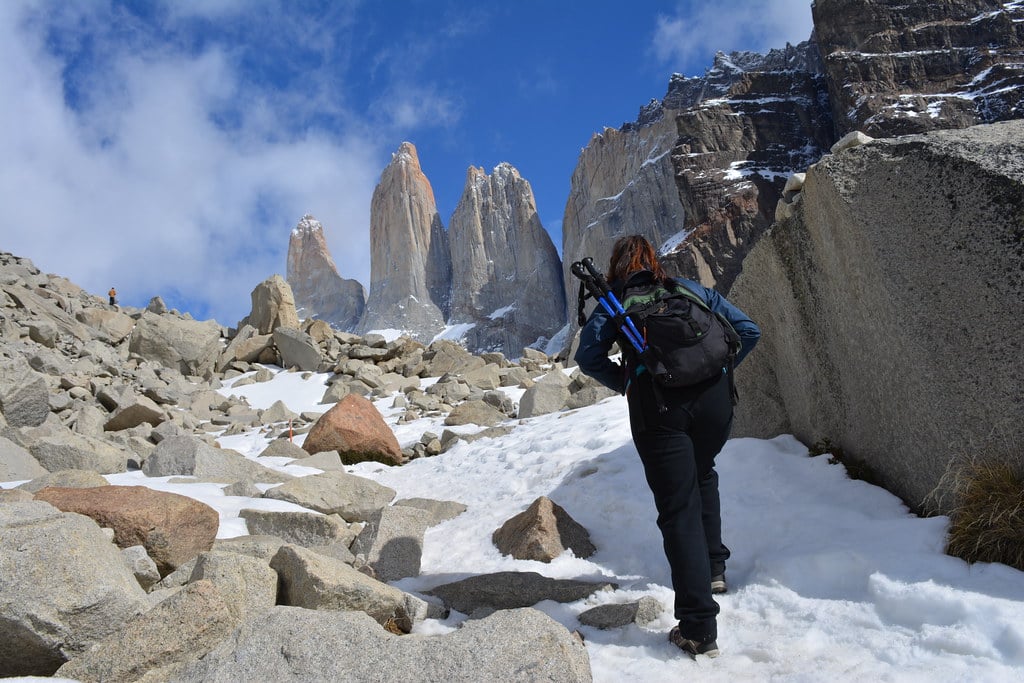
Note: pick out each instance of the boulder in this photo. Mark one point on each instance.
(392, 542)
(543, 398)
(112, 327)
(355, 498)
(273, 306)
(154, 645)
(143, 567)
(16, 463)
(542, 532)
(71, 479)
(847, 318)
(314, 581)
(355, 429)
(172, 528)
(278, 412)
(189, 346)
(283, 448)
(439, 510)
(24, 396)
(134, 411)
(286, 644)
(247, 584)
(300, 528)
(641, 612)
(259, 546)
(66, 450)
(188, 455)
(447, 357)
(509, 590)
(297, 349)
(65, 588)
(475, 412)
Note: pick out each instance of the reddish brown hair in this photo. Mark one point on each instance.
(630, 254)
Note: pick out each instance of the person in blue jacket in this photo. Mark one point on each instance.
(677, 434)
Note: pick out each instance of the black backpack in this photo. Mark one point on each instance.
(689, 343)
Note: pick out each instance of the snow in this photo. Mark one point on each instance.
(388, 333)
(454, 332)
(831, 579)
(502, 312)
(737, 172)
(673, 242)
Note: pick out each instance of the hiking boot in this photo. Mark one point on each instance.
(718, 584)
(692, 647)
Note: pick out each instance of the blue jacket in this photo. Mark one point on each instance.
(601, 332)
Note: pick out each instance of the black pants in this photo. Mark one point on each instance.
(678, 449)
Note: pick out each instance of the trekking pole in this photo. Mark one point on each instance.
(598, 286)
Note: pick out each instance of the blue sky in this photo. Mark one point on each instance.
(168, 148)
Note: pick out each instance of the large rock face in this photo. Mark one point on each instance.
(410, 267)
(888, 302)
(506, 274)
(897, 67)
(320, 292)
(699, 173)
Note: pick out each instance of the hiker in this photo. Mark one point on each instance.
(113, 296)
(677, 433)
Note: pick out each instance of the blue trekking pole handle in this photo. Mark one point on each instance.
(629, 322)
(627, 329)
(596, 281)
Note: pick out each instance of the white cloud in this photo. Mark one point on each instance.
(408, 106)
(142, 189)
(687, 38)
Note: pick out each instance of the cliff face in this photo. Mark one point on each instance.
(898, 67)
(883, 302)
(320, 292)
(410, 270)
(699, 173)
(624, 183)
(506, 277)
(735, 151)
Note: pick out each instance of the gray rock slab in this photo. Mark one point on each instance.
(392, 541)
(439, 510)
(187, 455)
(509, 590)
(247, 584)
(65, 587)
(24, 396)
(355, 498)
(152, 646)
(315, 581)
(16, 463)
(289, 644)
(301, 528)
(641, 612)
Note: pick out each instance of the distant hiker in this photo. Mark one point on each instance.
(113, 296)
(677, 431)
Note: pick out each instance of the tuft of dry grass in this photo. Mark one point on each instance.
(987, 520)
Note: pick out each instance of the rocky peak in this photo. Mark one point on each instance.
(898, 68)
(505, 269)
(320, 292)
(727, 69)
(699, 174)
(410, 270)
